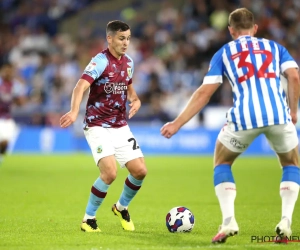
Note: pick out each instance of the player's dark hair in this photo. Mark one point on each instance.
(241, 19)
(116, 25)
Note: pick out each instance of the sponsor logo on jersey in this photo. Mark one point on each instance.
(91, 66)
(116, 88)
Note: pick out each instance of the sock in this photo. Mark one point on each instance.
(289, 189)
(131, 187)
(225, 190)
(98, 193)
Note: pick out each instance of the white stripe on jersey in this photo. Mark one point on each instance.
(259, 62)
(255, 98)
(246, 113)
(274, 87)
(253, 67)
(268, 104)
(234, 89)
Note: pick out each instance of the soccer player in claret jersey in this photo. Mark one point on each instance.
(260, 106)
(11, 91)
(109, 78)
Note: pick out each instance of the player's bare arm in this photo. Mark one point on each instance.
(70, 117)
(134, 100)
(292, 76)
(196, 103)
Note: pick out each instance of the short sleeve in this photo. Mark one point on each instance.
(95, 68)
(215, 71)
(286, 60)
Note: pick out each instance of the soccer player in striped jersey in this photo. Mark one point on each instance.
(253, 67)
(109, 79)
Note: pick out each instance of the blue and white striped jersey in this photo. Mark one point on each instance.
(253, 67)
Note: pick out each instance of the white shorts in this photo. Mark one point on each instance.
(8, 129)
(282, 138)
(119, 142)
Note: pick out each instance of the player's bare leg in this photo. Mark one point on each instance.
(225, 191)
(108, 173)
(133, 183)
(289, 190)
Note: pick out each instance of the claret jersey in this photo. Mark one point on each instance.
(109, 79)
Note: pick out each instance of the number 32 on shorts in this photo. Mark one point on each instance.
(134, 146)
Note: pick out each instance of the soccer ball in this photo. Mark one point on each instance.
(180, 220)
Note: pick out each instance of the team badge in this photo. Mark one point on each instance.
(129, 72)
(99, 149)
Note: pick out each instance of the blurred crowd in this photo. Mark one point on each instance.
(171, 51)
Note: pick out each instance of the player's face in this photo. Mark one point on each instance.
(118, 43)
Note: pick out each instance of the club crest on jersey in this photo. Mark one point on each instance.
(129, 72)
(115, 88)
(108, 87)
(99, 149)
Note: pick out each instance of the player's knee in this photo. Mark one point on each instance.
(140, 172)
(221, 159)
(143, 172)
(289, 158)
(290, 162)
(108, 177)
(217, 163)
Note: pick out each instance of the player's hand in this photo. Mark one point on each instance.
(294, 118)
(169, 129)
(67, 119)
(134, 107)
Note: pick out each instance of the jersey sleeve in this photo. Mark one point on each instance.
(286, 60)
(95, 68)
(215, 71)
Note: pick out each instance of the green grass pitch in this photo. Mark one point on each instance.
(43, 200)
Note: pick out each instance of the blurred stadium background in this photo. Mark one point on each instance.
(43, 194)
(50, 42)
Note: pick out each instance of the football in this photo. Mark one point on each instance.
(180, 220)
